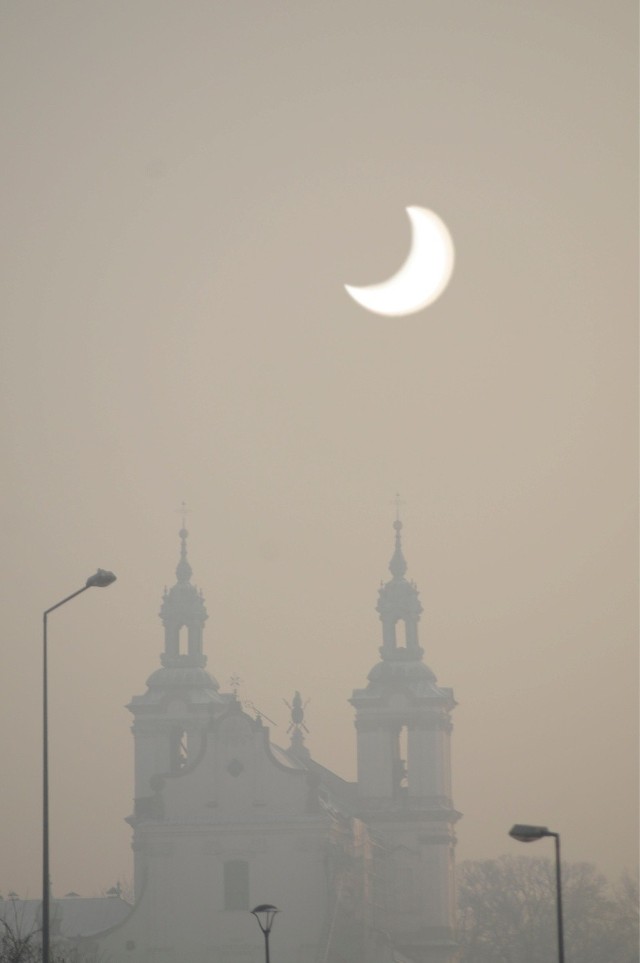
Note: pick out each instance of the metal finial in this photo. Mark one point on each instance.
(183, 571)
(183, 511)
(398, 565)
(399, 502)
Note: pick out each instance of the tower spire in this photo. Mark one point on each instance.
(183, 609)
(399, 602)
(398, 563)
(183, 569)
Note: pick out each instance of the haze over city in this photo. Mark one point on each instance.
(187, 188)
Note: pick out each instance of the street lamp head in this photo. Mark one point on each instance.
(529, 834)
(101, 579)
(264, 915)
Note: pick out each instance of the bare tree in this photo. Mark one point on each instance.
(626, 917)
(18, 939)
(20, 936)
(507, 913)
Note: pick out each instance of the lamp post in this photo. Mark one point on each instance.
(100, 580)
(529, 834)
(265, 914)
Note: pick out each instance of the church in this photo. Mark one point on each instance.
(223, 819)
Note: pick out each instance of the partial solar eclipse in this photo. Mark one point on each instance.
(423, 276)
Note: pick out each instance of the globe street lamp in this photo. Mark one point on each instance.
(529, 834)
(265, 914)
(100, 580)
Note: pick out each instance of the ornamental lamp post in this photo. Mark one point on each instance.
(101, 579)
(529, 834)
(265, 914)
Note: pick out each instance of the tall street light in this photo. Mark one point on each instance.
(529, 834)
(265, 914)
(100, 580)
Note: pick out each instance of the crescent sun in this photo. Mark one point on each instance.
(423, 276)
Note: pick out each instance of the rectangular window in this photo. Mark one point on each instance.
(236, 884)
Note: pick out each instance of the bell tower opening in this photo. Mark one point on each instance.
(178, 749)
(401, 634)
(399, 762)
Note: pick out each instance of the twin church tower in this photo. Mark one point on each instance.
(224, 819)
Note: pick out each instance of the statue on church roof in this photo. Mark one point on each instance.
(297, 726)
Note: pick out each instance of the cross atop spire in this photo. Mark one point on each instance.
(399, 502)
(183, 511)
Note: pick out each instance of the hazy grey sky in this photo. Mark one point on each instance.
(186, 187)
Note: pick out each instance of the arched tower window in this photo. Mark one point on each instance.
(182, 640)
(401, 634)
(178, 751)
(399, 761)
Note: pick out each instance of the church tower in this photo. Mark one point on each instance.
(403, 723)
(171, 719)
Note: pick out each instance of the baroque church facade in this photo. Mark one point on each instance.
(224, 819)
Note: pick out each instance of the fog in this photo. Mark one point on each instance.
(187, 187)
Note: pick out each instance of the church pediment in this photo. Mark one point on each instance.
(239, 776)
